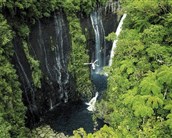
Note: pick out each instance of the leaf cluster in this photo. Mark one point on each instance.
(35, 66)
(78, 57)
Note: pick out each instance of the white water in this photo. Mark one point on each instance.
(118, 30)
(25, 76)
(42, 47)
(60, 66)
(100, 51)
(91, 104)
(55, 60)
(28, 86)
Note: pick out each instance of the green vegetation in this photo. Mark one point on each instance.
(139, 95)
(79, 56)
(16, 19)
(83, 6)
(111, 37)
(46, 132)
(138, 101)
(30, 10)
(12, 110)
(35, 66)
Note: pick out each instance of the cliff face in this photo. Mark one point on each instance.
(50, 44)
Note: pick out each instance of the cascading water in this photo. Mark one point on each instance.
(43, 49)
(100, 43)
(60, 66)
(28, 88)
(75, 115)
(50, 45)
(118, 30)
(91, 104)
(100, 51)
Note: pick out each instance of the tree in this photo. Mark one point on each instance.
(137, 102)
(12, 110)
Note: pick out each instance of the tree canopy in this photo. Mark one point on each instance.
(138, 97)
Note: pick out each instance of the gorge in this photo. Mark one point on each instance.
(60, 76)
(67, 121)
(50, 46)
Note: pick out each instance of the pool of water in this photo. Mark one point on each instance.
(74, 115)
(70, 117)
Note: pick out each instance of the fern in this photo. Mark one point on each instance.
(127, 66)
(165, 75)
(149, 85)
(169, 120)
(154, 102)
(142, 110)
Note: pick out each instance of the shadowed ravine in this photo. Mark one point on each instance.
(71, 115)
(74, 115)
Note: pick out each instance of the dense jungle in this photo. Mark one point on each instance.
(45, 46)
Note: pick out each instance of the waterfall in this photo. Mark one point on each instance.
(50, 48)
(27, 88)
(118, 30)
(43, 49)
(91, 104)
(100, 43)
(60, 66)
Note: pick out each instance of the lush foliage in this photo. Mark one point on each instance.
(138, 102)
(21, 15)
(139, 96)
(83, 6)
(79, 56)
(104, 132)
(35, 66)
(12, 109)
(46, 132)
(111, 37)
(32, 9)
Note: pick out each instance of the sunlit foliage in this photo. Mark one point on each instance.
(12, 110)
(139, 97)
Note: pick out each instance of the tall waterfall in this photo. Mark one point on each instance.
(52, 54)
(28, 89)
(100, 43)
(43, 49)
(60, 66)
(118, 30)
